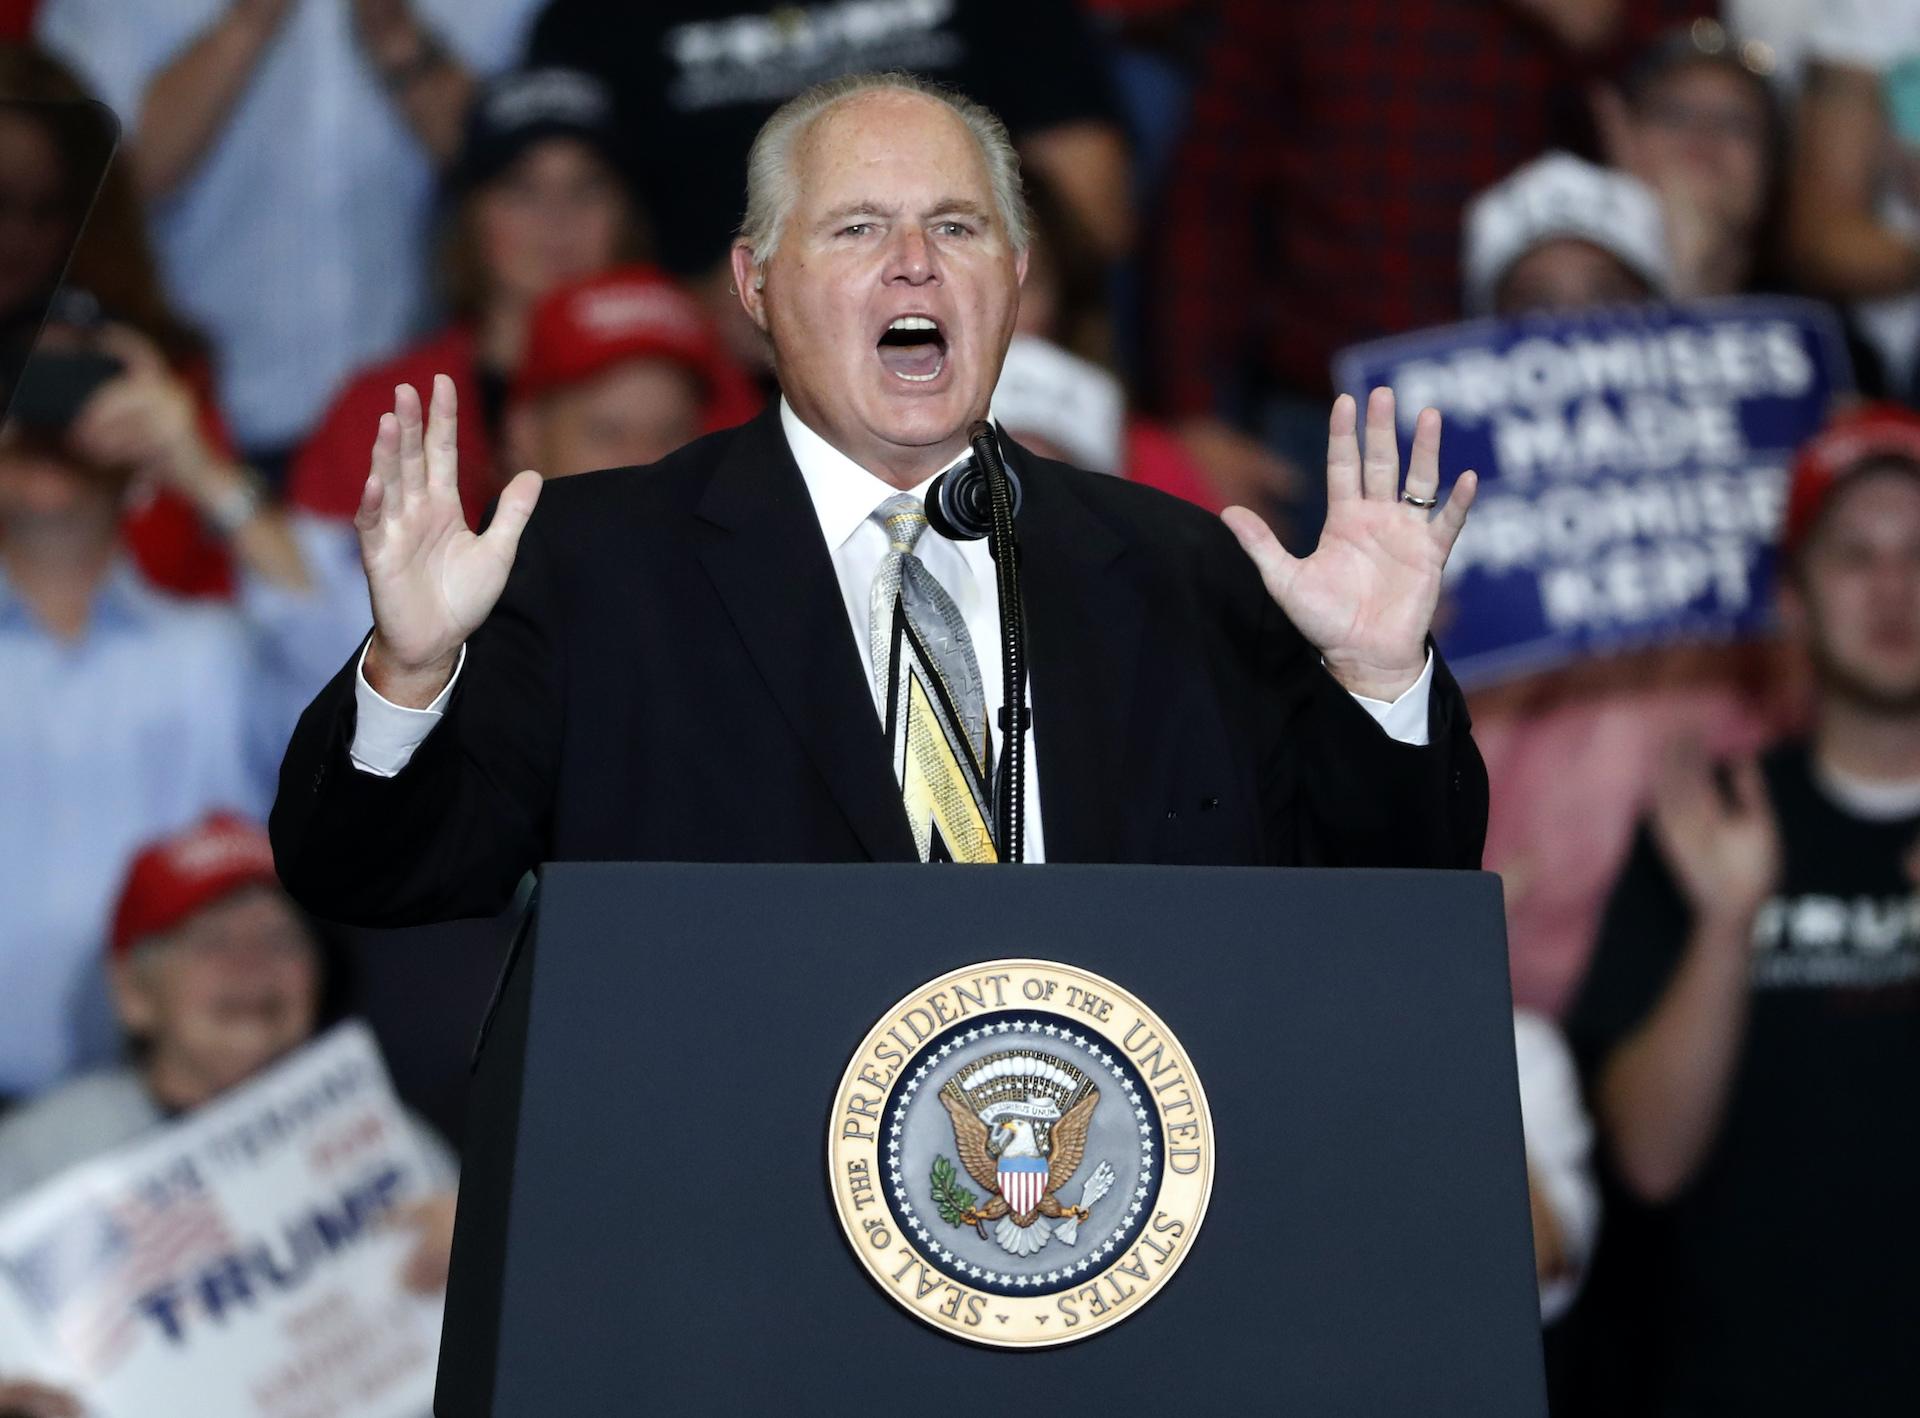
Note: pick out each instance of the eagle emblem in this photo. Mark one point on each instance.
(1020, 1121)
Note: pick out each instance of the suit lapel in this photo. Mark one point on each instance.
(1084, 629)
(762, 547)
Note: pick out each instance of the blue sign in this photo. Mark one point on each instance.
(1633, 469)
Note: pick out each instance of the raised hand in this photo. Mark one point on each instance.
(1365, 598)
(431, 580)
(1721, 844)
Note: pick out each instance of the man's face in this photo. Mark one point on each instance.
(230, 990)
(1702, 131)
(1563, 276)
(1857, 596)
(634, 413)
(556, 214)
(894, 221)
(41, 480)
(37, 480)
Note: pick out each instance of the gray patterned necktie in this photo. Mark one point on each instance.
(932, 695)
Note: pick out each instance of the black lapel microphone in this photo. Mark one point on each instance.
(980, 499)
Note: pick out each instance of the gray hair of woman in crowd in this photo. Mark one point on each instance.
(771, 192)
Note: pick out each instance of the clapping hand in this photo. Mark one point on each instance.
(1366, 596)
(1721, 843)
(431, 580)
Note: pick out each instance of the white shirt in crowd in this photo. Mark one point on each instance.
(1559, 1150)
(299, 241)
(844, 498)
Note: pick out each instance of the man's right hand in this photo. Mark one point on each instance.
(431, 580)
(1721, 842)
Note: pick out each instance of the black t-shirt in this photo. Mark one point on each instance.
(1786, 1279)
(695, 79)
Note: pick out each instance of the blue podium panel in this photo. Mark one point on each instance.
(646, 1224)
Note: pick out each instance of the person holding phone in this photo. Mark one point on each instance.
(128, 712)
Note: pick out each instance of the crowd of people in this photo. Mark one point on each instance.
(1711, 851)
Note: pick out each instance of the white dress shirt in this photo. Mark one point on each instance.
(845, 496)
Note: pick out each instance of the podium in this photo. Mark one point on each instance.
(647, 1224)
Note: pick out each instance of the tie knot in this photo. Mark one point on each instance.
(904, 517)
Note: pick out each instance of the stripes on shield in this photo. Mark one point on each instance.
(1023, 1181)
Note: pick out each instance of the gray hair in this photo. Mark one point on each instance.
(771, 191)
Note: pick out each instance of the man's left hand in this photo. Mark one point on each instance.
(1366, 596)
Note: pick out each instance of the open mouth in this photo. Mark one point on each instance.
(913, 348)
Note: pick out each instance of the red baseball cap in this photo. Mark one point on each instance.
(1860, 435)
(175, 876)
(632, 312)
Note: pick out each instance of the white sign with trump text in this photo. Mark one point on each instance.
(238, 1263)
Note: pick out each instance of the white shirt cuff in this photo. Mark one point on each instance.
(1406, 718)
(386, 734)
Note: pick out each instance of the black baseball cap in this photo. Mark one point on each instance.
(520, 109)
(1703, 41)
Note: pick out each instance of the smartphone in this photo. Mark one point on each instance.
(56, 385)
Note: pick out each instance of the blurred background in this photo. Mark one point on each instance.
(1710, 841)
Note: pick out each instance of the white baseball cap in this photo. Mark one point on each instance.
(1072, 403)
(1555, 197)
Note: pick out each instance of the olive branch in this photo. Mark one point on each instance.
(952, 1199)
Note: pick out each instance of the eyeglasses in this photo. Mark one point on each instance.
(1736, 123)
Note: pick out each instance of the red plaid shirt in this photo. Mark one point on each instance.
(16, 18)
(1332, 148)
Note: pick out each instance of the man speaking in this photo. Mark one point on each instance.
(755, 650)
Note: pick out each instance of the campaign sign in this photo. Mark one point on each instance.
(1633, 469)
(234, 1264)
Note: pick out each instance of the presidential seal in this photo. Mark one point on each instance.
(1020, 1153)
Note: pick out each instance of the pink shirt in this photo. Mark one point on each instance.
(1571, 776)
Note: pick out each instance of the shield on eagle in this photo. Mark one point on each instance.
(1023, 1181)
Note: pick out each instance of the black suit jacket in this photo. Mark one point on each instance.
(669, 676)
